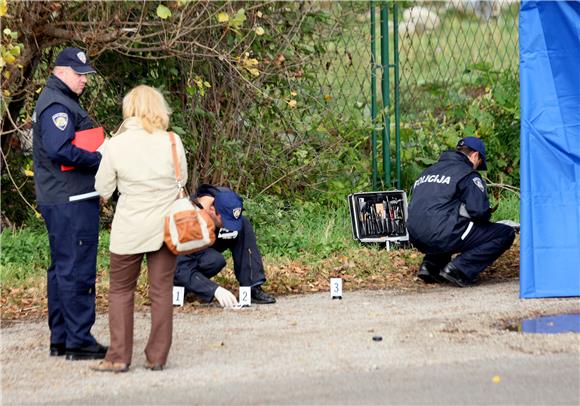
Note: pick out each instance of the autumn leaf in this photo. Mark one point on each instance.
(163, 12)
(250, 62)
(3, 8)
(254, 72)
(238, 19)
(223, 17)
(9, 58)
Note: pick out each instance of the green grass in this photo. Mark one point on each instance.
(285, 232)
(25, 253)
(509, 207)
(307, 231)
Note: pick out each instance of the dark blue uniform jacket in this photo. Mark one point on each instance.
(57, 116)
(435, 222)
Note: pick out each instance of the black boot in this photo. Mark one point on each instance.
(452, 274)
(56, 350)
(429, 273)
(95, 351)
(261, 297)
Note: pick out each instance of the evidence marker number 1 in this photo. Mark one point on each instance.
(178, 295)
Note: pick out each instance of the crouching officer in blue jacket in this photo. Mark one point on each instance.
(449, 213)
(234, 232)
(70, 213)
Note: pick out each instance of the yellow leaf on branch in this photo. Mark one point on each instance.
(9, 58)
(250, 62)
(223, 17)
(163, 12)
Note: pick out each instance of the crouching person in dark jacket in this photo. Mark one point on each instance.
(234, 232)
(450, 213)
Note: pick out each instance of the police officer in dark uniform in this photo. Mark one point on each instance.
(70, 207)
(234, 232)
(449, 213)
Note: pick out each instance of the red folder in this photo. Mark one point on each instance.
(89, 140)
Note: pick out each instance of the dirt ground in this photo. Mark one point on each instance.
(311, 349)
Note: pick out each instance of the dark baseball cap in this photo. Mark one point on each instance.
(229, 206)
(76, 59)
(475, 144)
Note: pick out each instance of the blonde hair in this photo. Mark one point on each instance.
(148, 105)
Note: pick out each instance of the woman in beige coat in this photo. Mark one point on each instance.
(138, 162)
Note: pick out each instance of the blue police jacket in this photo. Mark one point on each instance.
(448, 198)
(57, 116)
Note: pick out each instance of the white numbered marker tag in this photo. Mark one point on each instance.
(336, 288)
(178, 294)
(245, 296)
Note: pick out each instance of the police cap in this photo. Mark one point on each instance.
(76, 59)
(229, 205)
(475, 144)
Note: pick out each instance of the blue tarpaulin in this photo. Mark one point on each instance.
(550, 148)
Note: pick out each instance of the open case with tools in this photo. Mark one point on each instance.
(379, 217)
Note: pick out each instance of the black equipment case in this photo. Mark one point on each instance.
(379, 217)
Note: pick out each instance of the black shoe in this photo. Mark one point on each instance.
(455, 276)
(56, 350)
(95, 351)
(261, 297)
(429, 273)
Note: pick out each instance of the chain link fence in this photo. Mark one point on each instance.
(441, 46)
(448, 42)
(439, 43)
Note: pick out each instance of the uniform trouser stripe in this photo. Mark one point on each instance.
(467, 230)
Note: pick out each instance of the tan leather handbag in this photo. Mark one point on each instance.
(188, 227)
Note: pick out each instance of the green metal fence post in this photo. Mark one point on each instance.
(385, 95)
(397, 90)
(373, 96)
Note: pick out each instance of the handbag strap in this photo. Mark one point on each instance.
(176, 166)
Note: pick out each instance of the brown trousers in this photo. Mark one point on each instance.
(125, 270)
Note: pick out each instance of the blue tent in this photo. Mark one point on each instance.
(550, 148)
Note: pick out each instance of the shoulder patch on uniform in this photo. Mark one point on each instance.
(60, 120)
(479, 184)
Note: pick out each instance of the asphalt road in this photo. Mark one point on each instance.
(442, 346)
